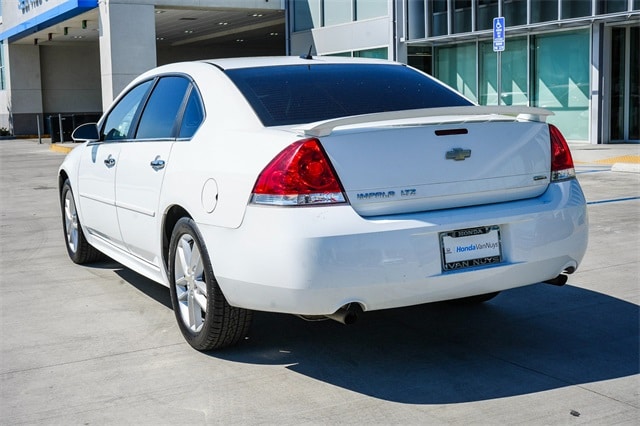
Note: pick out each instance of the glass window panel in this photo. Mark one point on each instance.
(380, 53)
(306, 14)
(295, 94)
(617, 83)
(611, 6)
(636, 4)
(456, 66)
(634, 84)
(575, 8)
(462, 16)
(438, 18)
(118, 123)
(487, 10)
(193, 115)
(514, 74)
(561, 81)
(421, 57)
(515, 12)
(337, 12)
(415, 19)
(367, 9)
(544, 10)
(159, 115)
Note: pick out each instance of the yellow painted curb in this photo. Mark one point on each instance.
(633, 159)
(60, 148)
(629, 159)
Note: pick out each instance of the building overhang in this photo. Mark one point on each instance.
(48, 18)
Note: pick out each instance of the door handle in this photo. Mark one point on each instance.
(110, 161)
(157, 164)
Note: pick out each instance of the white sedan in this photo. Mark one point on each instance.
(321, 187)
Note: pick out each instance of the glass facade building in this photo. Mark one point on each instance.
(577, 58)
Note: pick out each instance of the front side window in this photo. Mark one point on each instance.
(160, 114)
(118, 124)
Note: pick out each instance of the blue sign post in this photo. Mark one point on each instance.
(498, 47)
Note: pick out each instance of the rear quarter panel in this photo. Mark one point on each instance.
(231, 148)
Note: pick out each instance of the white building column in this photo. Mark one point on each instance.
(597, 133)
(24, 94)
(127, 44)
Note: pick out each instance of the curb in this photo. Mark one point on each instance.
(61, 148)
(626, 167)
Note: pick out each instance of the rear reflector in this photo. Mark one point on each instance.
(561, 161)
(300, 175)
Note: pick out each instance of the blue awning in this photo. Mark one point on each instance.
(49, 18)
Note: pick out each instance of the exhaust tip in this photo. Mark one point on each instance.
(347, 315)
(559, 281)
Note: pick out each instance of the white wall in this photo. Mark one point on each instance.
(71, 78)
(359, 35)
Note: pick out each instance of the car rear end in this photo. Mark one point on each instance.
(397, 207)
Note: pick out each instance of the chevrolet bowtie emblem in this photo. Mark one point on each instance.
(458, 154)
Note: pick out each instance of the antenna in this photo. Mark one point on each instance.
(308, 55)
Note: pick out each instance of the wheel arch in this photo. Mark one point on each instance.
(171, 217)
(62, 178)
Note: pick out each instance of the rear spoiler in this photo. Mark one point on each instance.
(521, 112)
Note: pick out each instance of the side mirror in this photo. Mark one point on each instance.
(86, 133)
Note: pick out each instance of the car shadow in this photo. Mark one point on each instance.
(526, 340)
(156, 291)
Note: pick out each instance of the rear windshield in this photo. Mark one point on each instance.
(296, 94)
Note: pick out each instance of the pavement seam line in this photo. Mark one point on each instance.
(79, 361)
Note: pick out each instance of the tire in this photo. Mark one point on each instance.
(474, 300)
(80, 251)
(204, 316)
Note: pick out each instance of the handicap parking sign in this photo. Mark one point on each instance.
(498, 34)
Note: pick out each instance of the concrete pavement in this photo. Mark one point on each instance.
(99, 344)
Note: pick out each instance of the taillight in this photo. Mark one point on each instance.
(561, 161)
(300, 175)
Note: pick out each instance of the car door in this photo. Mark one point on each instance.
(97, 170)
(142, 166)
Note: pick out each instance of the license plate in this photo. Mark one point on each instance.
(471, 247)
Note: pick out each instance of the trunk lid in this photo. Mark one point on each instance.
(411, 168)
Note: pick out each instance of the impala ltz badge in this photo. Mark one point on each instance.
(458, 154)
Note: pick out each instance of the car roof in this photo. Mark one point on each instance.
(236, 63)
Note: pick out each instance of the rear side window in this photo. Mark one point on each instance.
(193, 115)
(296, 94)
(159, 115)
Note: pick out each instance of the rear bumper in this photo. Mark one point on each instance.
(314, 260)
